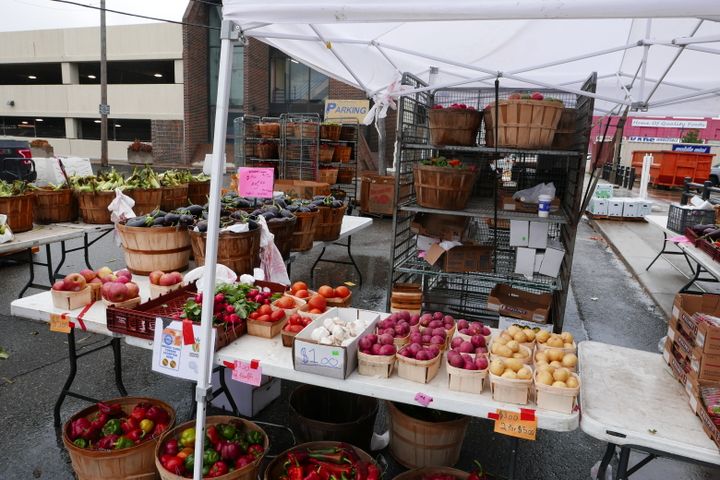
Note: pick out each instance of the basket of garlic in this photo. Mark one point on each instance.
(329, 345)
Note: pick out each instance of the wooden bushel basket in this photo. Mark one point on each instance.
(174, 197)
(329, 224)
(565, 134)
(422, 473)
(198, 192)
(523, 123)
(330, 132)
(454, 126)
(240, 252)
(342, 153)
(283, 231)
(150, 249)
(269, 130)
(248, 472)
(146, 199)
(94, 206)
(324, 152)
(55, 206)
(443, 187)
(137, 463)
(304, 234)
(267, 150)
(19, 210)
(328, 175)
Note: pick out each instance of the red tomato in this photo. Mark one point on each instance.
(295, 319)
(326, 291)
(263, 318)
(302, 294)
(317, 302)
(285, 302)
(297, 286)
(254, 315)
(342, 291)
(265, 310)
(295, 328)
(277, 315)
(316, 310)
(306, 321)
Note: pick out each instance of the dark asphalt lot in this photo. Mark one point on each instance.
(606, 304)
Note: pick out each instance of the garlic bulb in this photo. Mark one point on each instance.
(319, 333)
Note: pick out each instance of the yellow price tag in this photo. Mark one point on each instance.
(350, 284)
(59, 323)
(516, 424)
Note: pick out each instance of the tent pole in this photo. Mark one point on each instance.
(229, 32)
(339, 58)
(643, 63)
(669, 101)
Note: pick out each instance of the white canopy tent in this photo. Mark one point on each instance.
(656, 56)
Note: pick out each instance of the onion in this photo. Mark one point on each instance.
(414, 348)
(437, 340)
(435, 324)
(423, 355)
(478, 340)
(466, 347)
(415, 337)
(404, 315)
(456, 342)
(386, 339)
(426, 338)
(437, 316)
(365, 343)
(462, 323)
(414, 319)
(434, 350)
(376, 349)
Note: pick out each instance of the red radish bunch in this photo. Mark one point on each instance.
(437, 320)
(397, 324)
(420, 352)
(260, 297)
(223, 311)
(476, 344)
(472, 328)
(429, 336)
(372, 344)
(466, 360)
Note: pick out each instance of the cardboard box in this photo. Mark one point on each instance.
(675, 364)
(519, 233)
(505, 322)
(330, 360)
(552, 259)
(712, 430)
(538, 261)
(520, 304)
(506, 202)
(443, 227)
(424, 243)
(598, 206)
(615, 208)
(706, 366)
(469, 258)
(630, 207)
(302, 188)
(538, 237)
(703, 334)
(249, 400)
(644, 207)
(381, 198)
(525, 261)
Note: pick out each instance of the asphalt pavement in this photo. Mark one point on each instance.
(606, 304)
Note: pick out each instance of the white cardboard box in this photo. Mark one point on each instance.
(249, 400)
(644, 207)
(630, 207)
(552, 259)
(598, 206)
(525, 261)
(519, 233)
(505, 322)
(604, 190)
(615, 207)
(538, 234)
(330, 360)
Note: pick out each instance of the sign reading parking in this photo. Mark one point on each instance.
(355, 109)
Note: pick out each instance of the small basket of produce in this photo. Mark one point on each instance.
(118, 290)
(563, 342)
(162, 282)
(174, 188)
(327, 175)
(295, 324)
(71, 292)
(556, 389)
(266, 322)
(266, 150)
(17, 201)
(418, 363)
(457, 124)
(288, 304)
(510, 380)
(556, 358)
(525, 121)
(307, 215)
(466, 371)
(116, 439)
(326, 459)
(443, 183)
(376, 355)
(269, 129)
(330, 131)
(340, 297)
(234, 450)
(398, 326)
(332, 212)
(466, 330)
(54, 204)
(503, 348)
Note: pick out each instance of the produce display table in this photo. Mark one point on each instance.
(630, 400)
(46, 235)
(704, 264)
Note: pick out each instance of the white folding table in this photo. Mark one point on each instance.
(629, 399)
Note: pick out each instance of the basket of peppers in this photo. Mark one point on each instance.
(234, 448)
(323, 461)
(116, 439)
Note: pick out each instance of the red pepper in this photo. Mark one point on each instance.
(110, 410)
(175, 465)
(478, 473)
(78, 426)
(100, 420)
(139, 412)
(164, 458)
(327, 469)
(218, 469)
(91, 433)
(159, 428)
(293, 467)
(213, 435)
(129, 425)
(255, 450)
(108, 442)
(171, 447)
(243, 461)
(136, 435)
(373, 472)
(157, 414)
(313, 475)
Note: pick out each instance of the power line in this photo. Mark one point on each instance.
(137, 15)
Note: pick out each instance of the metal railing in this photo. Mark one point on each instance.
(624, 176)
(704, 190)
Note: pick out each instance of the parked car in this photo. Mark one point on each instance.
(715, 174)
(16, 161)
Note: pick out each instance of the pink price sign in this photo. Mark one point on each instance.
(255, 182)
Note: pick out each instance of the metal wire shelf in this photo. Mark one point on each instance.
(484, 207)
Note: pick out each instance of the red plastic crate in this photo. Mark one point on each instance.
(709, 248)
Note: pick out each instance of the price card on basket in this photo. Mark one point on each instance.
(255, 182)
(249, 373)
(59, 323)
(522, 424)
(172, 356)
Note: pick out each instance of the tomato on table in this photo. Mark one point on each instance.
(277, 315)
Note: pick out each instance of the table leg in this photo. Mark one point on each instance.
(31, 264)
(71, 376)
(609, 452)
(224, 388)
(357, 269)
(662, 250)
(312, 269)
(62, 259)
(514, 446)
(621, 473)
(50, 271)
(117, 356)
(348, 245)
(696, 275)
(86, 250)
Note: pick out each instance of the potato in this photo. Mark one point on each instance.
(514, 364)
(545, 378)
(530, 334)
(494, 347)
(572, 382)
(555, 342)
(513, 345)
(545, 368)
(567, 337)
(524, 353)
(561, 374)
(569, 345)
(559, 384)
(542, 336)
(524, 373)
(569, 360)
(542, 357)
(500, 341)
(506, 336)
(504, 351)
(520, 337)
(554, 355)
(497, 367)
(512, 330)
(556, 364)
(509, 374)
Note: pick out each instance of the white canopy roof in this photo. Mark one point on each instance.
(669, 63)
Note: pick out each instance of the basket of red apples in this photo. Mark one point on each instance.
(162, 283)
(71, 292)
(466, 371)
(398, 326)
(376, 355)
(118, 289)
(468, 329)
(418, 363)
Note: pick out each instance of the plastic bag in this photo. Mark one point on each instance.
(530, 195)
(222, 275)
(121, 208)
(6, 234)
(271, 261)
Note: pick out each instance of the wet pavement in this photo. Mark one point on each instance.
(606, 304)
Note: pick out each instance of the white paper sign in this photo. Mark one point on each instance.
(324, 356)
(171, 357)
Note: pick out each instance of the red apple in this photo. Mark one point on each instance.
(59, 286)
(104, 272)
(167, 279)
(88, 274)
(514, 96)
(124, 273)
(109, 278)
(74, 282)
(132, 290)
(178, 277)
(155, 277)
(96, 280)
(122, 279)
(114, 292)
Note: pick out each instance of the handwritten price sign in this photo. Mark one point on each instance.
(255, 182)
(247, 373)
(516, 424)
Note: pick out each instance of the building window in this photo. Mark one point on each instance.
(32, 127)
(30, 74)
(119, 129)
(293, 82)
(129, 72)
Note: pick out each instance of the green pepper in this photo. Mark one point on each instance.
(210, 456)
(123, 442)
(112, 427)
(254, 436)
(227, 431)
(80, 442)
(187, 437)
(190, 462)
(205, 470)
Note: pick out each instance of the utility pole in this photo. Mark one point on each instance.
(104, 109)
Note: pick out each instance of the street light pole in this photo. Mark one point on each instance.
(103, 89)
